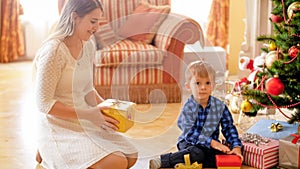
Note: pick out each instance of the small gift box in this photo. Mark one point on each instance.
(188, 164)
(260, 152)
(273, 129)
(228, 162)
(122, 111)
(289, 151)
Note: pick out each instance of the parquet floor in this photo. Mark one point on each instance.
(155, 131)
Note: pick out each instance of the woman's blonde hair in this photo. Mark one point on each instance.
(201, 69)
(66, 24)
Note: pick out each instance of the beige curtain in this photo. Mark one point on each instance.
(218, 21)
(0, 17)
(11, 37)
(218, 24)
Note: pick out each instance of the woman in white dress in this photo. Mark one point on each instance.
(74, 134)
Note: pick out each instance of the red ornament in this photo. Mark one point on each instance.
(293, 51)
(276, 18)
(274, 86)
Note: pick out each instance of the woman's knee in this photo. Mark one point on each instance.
(114, 160)
(132, 158)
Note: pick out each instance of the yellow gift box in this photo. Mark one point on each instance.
(122, 111)
(188, 164)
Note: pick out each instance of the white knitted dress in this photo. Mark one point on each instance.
(71, 144)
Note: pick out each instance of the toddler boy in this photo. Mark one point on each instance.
(200, 120)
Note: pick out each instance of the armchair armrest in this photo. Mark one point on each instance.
(172, 35)
(179, 28)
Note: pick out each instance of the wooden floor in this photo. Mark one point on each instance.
(155, 131)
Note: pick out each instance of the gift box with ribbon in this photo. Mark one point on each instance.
(273, 129)
(228, 162)
(188, 164)
(122, 111)
(260, 152)
(289, 151)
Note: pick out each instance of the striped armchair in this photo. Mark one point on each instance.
(136, 71)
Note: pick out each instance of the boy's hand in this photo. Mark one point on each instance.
(237, 151)
(218, 146)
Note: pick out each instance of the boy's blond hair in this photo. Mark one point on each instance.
(201, 69)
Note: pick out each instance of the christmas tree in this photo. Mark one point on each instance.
(276, 81)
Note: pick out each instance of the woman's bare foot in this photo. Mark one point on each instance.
(38, 157)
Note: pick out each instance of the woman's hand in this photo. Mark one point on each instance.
(109, 122)
(99, 119)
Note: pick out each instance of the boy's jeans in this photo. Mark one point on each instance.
(197, 153)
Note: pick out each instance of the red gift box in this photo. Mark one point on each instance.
(262, 156)
(228, 161)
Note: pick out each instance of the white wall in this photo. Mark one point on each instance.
(196, 9)
(39, 15)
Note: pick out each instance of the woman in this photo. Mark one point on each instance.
(73, 131)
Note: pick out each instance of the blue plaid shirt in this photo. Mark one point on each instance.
(199, 126)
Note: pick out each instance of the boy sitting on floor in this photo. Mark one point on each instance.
(199, 121)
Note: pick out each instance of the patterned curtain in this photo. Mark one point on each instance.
(218, 21)
(12, 39)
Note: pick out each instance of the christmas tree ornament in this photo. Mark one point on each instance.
(293, 51)
(254, 65)
(272, 46)
(246, 106)
(292, 9)
(289, 97)
(276, 18)
(252, 77)
(246, 63)
(271, 57)
(239, 85)
(274, 86)
(251, 113)
(234, 102)
(259, 61)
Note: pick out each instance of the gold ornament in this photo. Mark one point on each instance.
(246, 106)
(272, 46)
(271, 57)
(291, 9)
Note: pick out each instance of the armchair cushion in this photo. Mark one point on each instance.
(127, 52)
(105, 35)
(144, 22)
